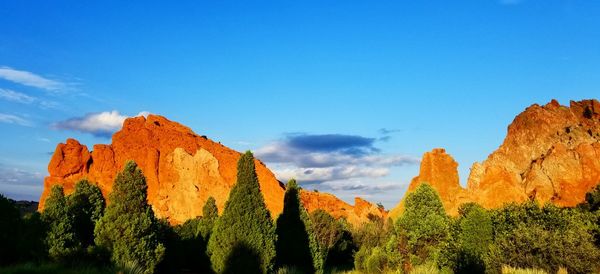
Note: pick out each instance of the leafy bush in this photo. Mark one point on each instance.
(129, 229)
(243, 238)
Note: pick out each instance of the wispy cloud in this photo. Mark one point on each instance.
(14, 119)
(329, 157)
(22, 98)
(30, 79)
(13, 96)
(100, 124)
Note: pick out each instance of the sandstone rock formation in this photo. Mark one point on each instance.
(550, 154)
(182, 170)
(328, 202)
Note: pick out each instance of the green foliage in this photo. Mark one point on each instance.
(9, 226)
(128, 228)
(185, 248)
(32, 234)
(86, 205)
(62, 241)
(296, 245)
(243, 238)
(549, 237)
(210, 213)
(592, 199)
(327, 231)
(424, 225)
(476, 235)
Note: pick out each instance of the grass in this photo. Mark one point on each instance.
(511, 270)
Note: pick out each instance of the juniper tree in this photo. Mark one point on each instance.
(296, 244)
(9, 224)
(424, 225)
(209, 217)
(243, 238)
(86, 204)
(61, 239)
(129, 229)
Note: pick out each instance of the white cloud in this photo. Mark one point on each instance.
(27, 78)
(13, 119)
(13, 96)
(99, 124)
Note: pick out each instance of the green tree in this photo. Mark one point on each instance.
(592, 198)
(529, 236)
(296, 245)
(86, 204)
(210, 214)
(243, 238)
(327, 232)
(424, 225)
(476, 235)
(9, 225)
(128, 228)
(62, 240)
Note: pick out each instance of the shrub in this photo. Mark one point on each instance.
(243, 238)
(129, 229)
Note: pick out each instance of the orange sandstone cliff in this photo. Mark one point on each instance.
(182, 170)
(551, 154)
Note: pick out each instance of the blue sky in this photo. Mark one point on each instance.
(346, 95)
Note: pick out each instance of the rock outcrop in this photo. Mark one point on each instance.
(550, 154)
(182, 170)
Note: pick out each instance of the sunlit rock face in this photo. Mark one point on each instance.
(551, 154)
(182, 170)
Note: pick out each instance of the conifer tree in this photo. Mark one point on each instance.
(61, 239)
(9, 224)
(210, 213)
(296, 245)
(128, 228)
(86, 204)
(424, 224)
(243, 239)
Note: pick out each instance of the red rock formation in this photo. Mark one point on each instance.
(340, 209)
(551, 154)
(182, 169)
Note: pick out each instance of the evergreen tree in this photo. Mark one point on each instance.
(424, 225)
(9, 225)
(296, 245)
(210, 213)
(243, 239)
(476, 235)
(128, 228)
(86, 204)
(327, 232)
(61, 239)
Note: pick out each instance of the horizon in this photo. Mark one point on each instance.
(360, 90)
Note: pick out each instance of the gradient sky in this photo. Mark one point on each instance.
(347, 95)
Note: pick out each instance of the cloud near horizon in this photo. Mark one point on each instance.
(30, 79)
(316, 159)
(99, 124)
